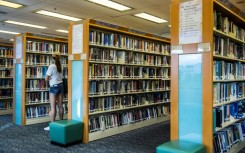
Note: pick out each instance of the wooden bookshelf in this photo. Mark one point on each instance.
(6, 79)
(33, 55)
(231, 52)
(108, 45)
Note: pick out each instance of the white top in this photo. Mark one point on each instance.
(55, 76)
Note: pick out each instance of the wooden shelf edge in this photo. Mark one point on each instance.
(121, 129)
(228, 102)
(6, 112)
(42, 119)
(237, 147)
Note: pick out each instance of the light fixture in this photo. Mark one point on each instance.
(64, 31)
(57, 15)
(25, 24)
(150, 17)
(11, 39)
(169, 26)
(9, 32)
(10, 4)
(111, 4)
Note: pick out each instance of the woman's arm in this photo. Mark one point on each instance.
(47, 78)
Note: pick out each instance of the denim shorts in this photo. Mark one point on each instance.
(57, 89)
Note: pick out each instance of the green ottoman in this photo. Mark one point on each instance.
(66, 132)
(181, 146)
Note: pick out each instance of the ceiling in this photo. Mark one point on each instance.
(84, 9)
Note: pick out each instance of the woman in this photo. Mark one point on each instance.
(54, 76)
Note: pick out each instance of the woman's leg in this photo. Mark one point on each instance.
(60, 102)
(52, 104)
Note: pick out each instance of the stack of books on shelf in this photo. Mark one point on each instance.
(6, 79)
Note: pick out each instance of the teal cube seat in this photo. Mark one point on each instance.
(66, 132)
(181, 146)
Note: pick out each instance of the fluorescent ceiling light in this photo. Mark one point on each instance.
(150, 17)
(9, 32)
(61, 16)
(10, 4)
(25, 24)
(11, 39)
(64, 31)
(111, 4)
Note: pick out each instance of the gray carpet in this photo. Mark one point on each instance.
(34, 139)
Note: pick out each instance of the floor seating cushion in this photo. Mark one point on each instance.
(65, 132)
(181, 146)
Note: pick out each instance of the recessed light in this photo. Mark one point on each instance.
(9, 32)
(150, 17)
(25, 24)
(111, 4)
(10, 4)
(57, 15)
(64, 31)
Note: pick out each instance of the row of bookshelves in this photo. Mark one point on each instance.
(6, 105)
(124, 57)
(223, 92)
(124, 86)
(227, 26)
(126, 42)
(34, 59)
(104, 122)
(114, 71)
(223, 70)
(40, 72)
(46, 47)
(44, 53)
(228, 139)
(108, 78)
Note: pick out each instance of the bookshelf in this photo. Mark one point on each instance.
(33, 55)
(228, 75)
(6, 79)
(222, 52)
(125, 81)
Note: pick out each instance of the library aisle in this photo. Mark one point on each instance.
(14, 138)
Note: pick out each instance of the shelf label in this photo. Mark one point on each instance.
(204, 47)
(77, 39)
(83, 56)
(190, 22)
(177, 50)
(18, 47)
(70, 57)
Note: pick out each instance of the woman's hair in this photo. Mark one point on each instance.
(57, 63)
(56, 57)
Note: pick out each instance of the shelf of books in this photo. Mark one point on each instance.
(6, 79)
(228, 78)
(127, 77)
(32, 58)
